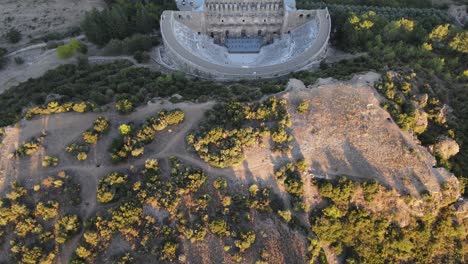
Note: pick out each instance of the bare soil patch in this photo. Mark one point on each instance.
(38, 17)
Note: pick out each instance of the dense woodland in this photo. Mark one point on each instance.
(123, 19)
(416, 51)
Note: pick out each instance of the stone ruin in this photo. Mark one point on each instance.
(243, 39)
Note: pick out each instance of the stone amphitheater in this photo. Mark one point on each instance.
(243, 39)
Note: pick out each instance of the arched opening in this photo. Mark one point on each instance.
(259, 32)
(301, 15)
(243, 33)
(227, 33)
(308, 15)
(212, 34)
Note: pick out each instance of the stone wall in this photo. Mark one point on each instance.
(197, 66)
(296, 18)
(243, 18)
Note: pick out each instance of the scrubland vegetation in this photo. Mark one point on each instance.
(232, 127)
(150, 238)
(82, 146)
(132, 140)
(29, 147)
(48, 217)
(362, 236)
(35, 223)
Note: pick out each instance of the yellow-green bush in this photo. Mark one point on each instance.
(69, 49)
(30, 147)
(111, 187)
(49, 161)
(65, 227)
(57, 108)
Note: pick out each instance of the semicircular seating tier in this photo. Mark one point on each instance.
(301, 43)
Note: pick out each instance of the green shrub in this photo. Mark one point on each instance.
(125, 129)
(80, 107)
(246, 241)
(113, 48)
(111, 187)
(68, 50)
(169, 251)
(370, 189)
(285, 214)
(101, 125)
(13, 36)
(339, 192)
(90, 137)
(124, 106)
(137, 43)
(220, 184)
(65, 227)
(174, 117)
(30, 147)
(303, 107)
(132, 143)
(2, 57)
(77, 148)
(19, 60)
(49, 161)
(81, 156)
(47, 211)
(301, 165)
(219, 227)
(141, 56)
(57, 108)
(188, 180)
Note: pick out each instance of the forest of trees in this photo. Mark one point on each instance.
(124, 18)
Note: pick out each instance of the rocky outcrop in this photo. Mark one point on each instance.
(445, 148)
